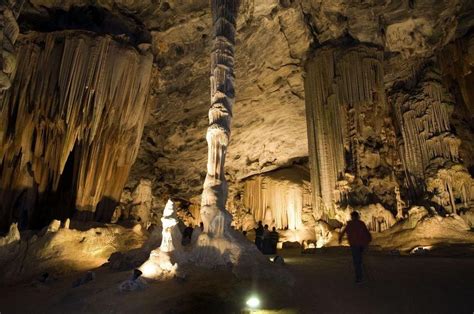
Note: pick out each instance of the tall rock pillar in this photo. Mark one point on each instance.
(214, 195)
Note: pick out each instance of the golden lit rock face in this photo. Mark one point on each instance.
(351, 140)
(76, 97)
(275, 41)
(279, 198)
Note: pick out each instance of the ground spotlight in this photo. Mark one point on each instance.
(253, 302)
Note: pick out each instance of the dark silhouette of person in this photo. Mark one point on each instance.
(266, 245)
(187, 234)
(359, 238)
(273, 237)
(201, 226)
(259, 236)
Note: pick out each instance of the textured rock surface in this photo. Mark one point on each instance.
(71, 124)
(275, 41)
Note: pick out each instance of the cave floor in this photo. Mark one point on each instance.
(323, 284)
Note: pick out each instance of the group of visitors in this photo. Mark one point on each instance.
(357, 232)
(266, 240)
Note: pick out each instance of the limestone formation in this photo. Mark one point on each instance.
(214, 197)
(347, 115)
(279, 198)
(375, 94)
(61, 251)
(9, 33)
(142, 203)
(428, 145)
(71, 124)
(160, 265)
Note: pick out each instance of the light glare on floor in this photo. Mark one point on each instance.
(253, 302)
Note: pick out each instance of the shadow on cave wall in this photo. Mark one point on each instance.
(34, 211)
(89, 18)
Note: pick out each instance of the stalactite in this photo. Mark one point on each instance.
(214, 196)
(429, 146)
(282, 197)
(426, 129)
(74, 93)
(344, 89)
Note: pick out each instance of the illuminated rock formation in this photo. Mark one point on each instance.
(62, 251)
(78, 105)
(429, 147)
(351, 140)
(279, 199)
(214, 195)
(159, 265)
(219, 244)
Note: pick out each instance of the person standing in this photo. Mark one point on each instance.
(359, 238)
(259, 236)
(274, 237)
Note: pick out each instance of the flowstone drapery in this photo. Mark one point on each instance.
(429, 145)
(74, 114)
(351, 139)
(278, 198)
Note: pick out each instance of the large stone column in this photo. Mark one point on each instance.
(214, 196)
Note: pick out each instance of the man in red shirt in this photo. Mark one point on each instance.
(359, 238)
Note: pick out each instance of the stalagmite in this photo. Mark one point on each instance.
(160, 265)
(214, 196)
(219, 244)
(400, 204)
(80, 100)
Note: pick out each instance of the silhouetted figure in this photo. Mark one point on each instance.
(187, 234)
(273, 238)
(201, 225)
(259, 236)
(359, 238)
(266, 232)
(266, 246)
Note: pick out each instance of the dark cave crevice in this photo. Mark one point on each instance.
(89, 18)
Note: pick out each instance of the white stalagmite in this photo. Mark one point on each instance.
(171, 236)
(159, 265)
(78, 96)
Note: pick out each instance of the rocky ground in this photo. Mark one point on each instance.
(323, 284)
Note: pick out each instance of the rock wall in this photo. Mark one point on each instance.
(374, 55)
(71, 123)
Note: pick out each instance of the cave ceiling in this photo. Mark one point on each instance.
(274, 40)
